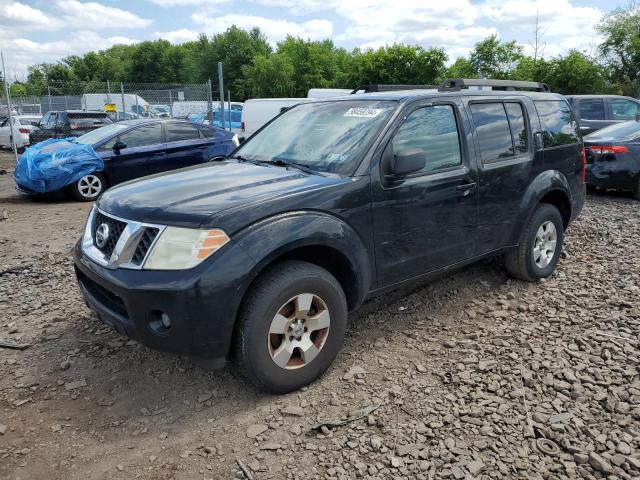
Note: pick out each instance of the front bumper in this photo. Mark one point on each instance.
(201, 303)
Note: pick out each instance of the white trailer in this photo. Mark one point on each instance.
(128, 102)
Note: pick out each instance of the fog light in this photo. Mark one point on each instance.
(159, 322)
(166, 321)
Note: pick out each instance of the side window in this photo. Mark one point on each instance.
(207, 132)
(433, 130)
(181, 131)
(51, 122)
(592, 109)
(494, 135)
(44, 120)
(623, 109)
(515, 114)
(142, 136)
(558, 125)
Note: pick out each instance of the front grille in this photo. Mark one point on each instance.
(144, 244)
(116, 228)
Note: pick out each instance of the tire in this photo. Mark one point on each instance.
(523, 262)
(279, 301)
(636, 190)
(89, 187)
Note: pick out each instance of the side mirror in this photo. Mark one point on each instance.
(407, 160)
(119, 146)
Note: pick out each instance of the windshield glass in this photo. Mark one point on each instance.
(619, 130)
(100, 134)
(324, 136)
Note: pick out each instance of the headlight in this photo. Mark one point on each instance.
(182, 248)
(235, 140)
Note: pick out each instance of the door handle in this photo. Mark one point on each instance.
(467, 189)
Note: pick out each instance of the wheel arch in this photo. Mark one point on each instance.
(551, 187)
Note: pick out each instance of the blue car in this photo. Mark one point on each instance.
(137, 148)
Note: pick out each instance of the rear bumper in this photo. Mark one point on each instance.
(201, 306)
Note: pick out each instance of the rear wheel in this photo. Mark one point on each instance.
(89, 187)
(291, 326)
(539, 246)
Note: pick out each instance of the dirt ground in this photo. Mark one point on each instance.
(472, 376)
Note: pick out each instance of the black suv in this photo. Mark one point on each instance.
(263, 254)
(598, 111)
(70, 123)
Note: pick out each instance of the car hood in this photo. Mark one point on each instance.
(191, 196)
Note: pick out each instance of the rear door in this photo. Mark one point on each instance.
(426, 220)
(185, 145)
(591, 114)
(622, 109)
(144, 153)
(503, 139)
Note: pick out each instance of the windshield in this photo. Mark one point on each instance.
(100, 134)
(324, 136)
(629, 129)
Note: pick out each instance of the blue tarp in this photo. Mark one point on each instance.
(55, 163)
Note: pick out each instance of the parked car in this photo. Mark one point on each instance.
(258, 111)
(332, 202)
(70, 123)
(23, 125)
(136, 148)
(594, 112)
(613, 157)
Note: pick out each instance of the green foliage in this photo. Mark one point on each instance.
(253, 69)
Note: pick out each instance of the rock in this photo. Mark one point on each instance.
(486, 365)
(257, 429)
(293, 411)
(421, 368)
(353, 371)
(475, 467)
(449, 343)
(74, 385)
(581, 458)
(375, 442)
(3, 429)
(599, 463)
(204, 397)
(561, 417)
(120, 467)
(65, 364)
(624, 448)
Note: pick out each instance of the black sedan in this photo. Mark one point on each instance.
(613, 158)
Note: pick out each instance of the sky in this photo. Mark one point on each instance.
(33, 31)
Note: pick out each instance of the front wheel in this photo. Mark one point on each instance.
(291, 326)
(88, 188)
(539, 246)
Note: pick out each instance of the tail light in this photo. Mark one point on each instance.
(242, 126)
(604, 149)
(23, 130)
(584, 166)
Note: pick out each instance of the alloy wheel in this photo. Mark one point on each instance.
(544, 247)
(298, 331)
(89, 186)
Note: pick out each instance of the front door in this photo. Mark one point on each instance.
(427, 220)
(143, 155)
(186, 146)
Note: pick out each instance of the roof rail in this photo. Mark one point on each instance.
(376, 87)
(456, 84)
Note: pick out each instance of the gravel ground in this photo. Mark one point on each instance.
(472, 376)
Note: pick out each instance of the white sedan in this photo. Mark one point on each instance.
(22, 126)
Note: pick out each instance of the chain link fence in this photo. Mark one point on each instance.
(122, 100)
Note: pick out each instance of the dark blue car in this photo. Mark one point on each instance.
(137, 148)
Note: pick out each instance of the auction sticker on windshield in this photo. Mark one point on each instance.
(363, 112)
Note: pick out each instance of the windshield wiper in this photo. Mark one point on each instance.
(245, 159)
(279, 162)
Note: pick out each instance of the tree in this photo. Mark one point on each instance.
(269, 76)
(575, 74)
(492, 58)
(621, 47)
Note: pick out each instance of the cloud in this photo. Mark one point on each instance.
(16, 16)
(180, 3)
(20, 53)
(275, 30)
(177, 36)
(94, 15)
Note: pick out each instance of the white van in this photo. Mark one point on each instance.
(328, 92)
(258, 111)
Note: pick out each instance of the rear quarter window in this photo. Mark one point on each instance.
(559, 127)
(592, 109)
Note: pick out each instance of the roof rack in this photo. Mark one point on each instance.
(456, 84)
(376, 87)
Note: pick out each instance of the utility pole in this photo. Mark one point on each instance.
(210, 101)
(221, 87)
(6, 91)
